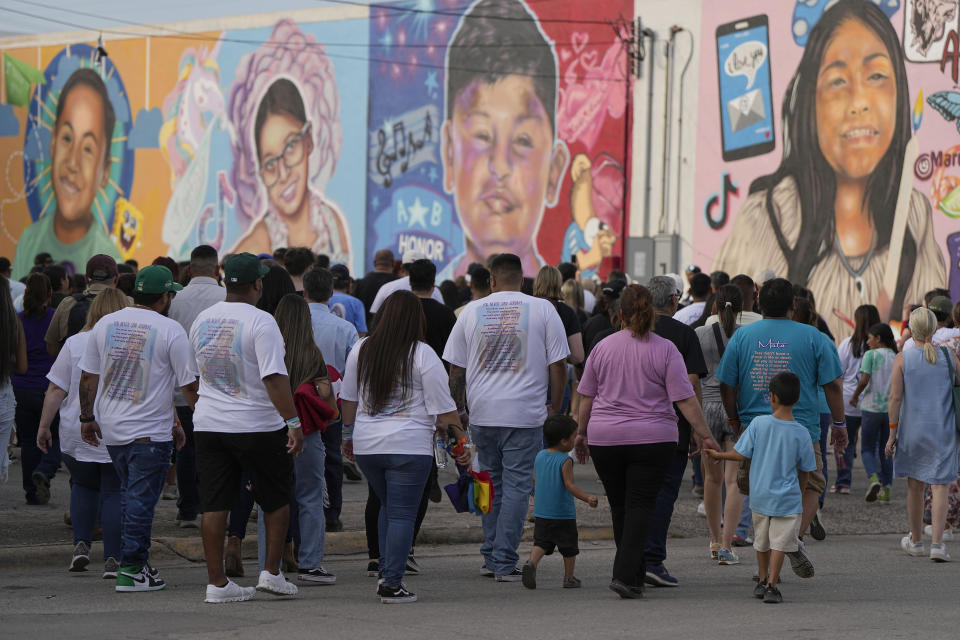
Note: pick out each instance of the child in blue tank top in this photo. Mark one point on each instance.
(555, 524)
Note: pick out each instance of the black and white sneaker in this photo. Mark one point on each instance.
(514, 576)
(395, 595)
(485, 572)
(316, 576)
(799, 561)
(412, 568)
(110, 568)
(373, 569)
(81, 557)
(816, 527)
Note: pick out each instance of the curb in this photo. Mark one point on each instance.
(169, 549)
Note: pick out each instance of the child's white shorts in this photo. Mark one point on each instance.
(775, 532)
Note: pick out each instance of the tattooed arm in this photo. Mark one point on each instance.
(458, 389)
(89, 431)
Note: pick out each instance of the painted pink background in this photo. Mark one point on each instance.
(935, 133)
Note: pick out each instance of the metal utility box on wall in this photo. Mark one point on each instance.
(640, 258)
(666, 253)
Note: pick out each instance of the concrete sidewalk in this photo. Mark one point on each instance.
(37, 535)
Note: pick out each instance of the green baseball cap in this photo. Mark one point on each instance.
(941, 305)
(155, 279)
(242, 268)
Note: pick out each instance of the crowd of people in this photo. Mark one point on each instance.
(264, 380)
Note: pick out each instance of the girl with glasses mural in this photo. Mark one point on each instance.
(287, 146)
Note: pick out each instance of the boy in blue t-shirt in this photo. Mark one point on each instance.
(555, 523)
(780, 457)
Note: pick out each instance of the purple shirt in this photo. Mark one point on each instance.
(38, 360)
(634, 383)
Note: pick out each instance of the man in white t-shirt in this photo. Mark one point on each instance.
(134, 359)
(699, 290)
(503, 350)
(401, 284)
(244, 422)
(203, 291)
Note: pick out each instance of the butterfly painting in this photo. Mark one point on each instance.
(947, 104)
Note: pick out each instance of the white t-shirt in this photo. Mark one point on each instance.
(589, 301)
(690, 313)
(65, 373)
(851, 374)
(506, 342)
(406, 424)
(140, 357)
(400, 284)
(236, 346)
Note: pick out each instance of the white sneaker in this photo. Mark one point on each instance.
(276, 584)
(911, 548)
(947, 533)
(702, 510)
(938, 553)
(230, 592)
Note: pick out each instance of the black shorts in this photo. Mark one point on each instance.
(561, 534)
(222, 457)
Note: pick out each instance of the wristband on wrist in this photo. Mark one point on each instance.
(87, 419)
(462, 412)
(841, 424)
(293, 423)
(348, 432)
(894, 426)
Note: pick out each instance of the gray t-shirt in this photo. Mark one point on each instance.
(710, 386)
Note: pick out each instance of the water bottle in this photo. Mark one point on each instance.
(440, 454)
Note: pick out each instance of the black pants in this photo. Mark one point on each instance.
(632, 476)
(188, 504)
(371, 514)
(27, 417)
(333, 469)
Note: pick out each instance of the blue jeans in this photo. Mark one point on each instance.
(746, 520)
(188, 502)
(826, 421)
(398, 480)
(875, 430)
(142, 468)
(697, 471)
(309, 490)
(655, 551)
(508, 454)
(95, 488)
(845, 473)
(333, 469)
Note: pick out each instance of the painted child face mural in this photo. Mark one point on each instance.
(285, 146)
(501, 163)
(856, 101)
(79, 153)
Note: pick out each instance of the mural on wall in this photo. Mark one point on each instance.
(239, 141)
(471, 128)
(857, 193)
(504, 133)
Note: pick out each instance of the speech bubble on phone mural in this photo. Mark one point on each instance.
(745, 60)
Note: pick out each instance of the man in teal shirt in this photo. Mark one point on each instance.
(759, 351)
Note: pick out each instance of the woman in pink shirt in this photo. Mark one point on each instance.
(629, 386)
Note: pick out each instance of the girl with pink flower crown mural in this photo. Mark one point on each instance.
(285, 108)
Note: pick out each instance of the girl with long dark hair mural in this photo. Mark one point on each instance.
(825, 217)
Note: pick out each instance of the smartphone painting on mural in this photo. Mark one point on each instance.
(743, 71)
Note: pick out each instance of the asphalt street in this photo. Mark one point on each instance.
(864, 588)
